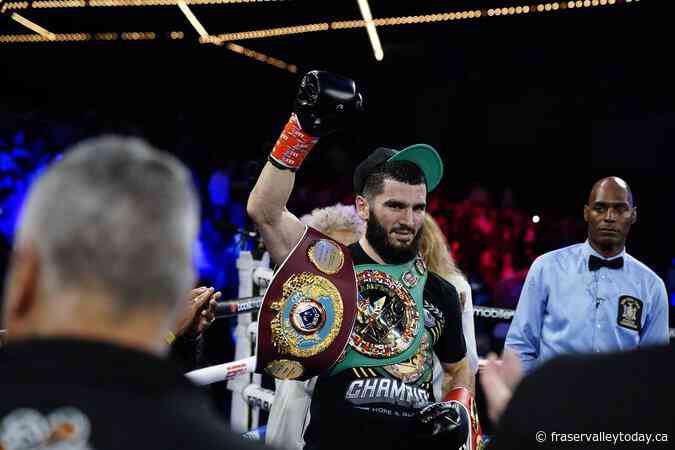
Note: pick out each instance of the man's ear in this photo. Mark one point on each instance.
(362, 207)
(633, 216)
(586, 212)
(22, 286)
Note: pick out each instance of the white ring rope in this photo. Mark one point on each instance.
(232, 308)
(222, 372)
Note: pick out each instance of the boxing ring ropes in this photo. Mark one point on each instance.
(248, 396)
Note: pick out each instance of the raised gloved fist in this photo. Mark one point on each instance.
(326, 102)
(449, 420)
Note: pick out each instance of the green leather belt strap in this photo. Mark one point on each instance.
(355, 359)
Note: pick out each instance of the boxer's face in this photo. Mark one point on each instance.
(394, 220)
(609, 215)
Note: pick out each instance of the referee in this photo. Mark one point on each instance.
(593, 296)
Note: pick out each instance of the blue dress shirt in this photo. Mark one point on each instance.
(566, 308)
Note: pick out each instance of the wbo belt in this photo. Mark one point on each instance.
(308, 311)
(389, 322)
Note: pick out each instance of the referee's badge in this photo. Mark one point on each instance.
(630, 313)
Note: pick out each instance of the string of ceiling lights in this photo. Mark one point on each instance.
(225, 39)
(335, 25)
(68, 4)
(409, 20)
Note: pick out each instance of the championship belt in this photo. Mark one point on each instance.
(389, 324)
(308, 311)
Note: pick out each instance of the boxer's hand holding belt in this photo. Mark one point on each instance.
(455, 420)
(325, 103)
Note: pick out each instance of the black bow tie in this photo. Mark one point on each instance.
(594, 263)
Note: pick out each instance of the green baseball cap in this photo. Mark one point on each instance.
(422, 155)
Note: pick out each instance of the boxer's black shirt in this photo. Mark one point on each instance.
(366, 407)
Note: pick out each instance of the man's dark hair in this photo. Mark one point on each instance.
(403, 171)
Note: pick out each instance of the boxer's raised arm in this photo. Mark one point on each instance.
(323, 104)
(280, 229)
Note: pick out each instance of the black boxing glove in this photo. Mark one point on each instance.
(325, 103)
(446, 420)
(454, 420)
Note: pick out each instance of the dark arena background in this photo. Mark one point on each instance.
(527, 103)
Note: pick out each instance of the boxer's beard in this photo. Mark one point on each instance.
(379, 239)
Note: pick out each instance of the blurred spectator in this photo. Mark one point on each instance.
(90, 299)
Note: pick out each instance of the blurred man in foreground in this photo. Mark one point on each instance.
(101, 262)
